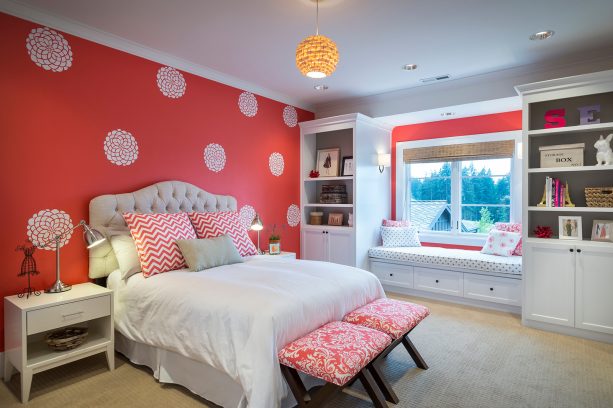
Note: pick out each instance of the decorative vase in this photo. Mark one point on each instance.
(274, 247)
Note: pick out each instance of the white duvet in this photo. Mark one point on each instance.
(236, 317)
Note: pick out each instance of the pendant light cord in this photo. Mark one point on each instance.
(317, 18)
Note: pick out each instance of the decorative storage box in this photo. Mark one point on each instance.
(570, 155)
(316, 218)
(599, 196)
(333, 194)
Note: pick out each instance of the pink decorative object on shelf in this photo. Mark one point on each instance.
(543, 231)
(314, 174)
(554, 118)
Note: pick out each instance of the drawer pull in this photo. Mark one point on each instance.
(571, 250)
(436, 281)
(492, 289)
(578, 250)
(391, 274)
(71, 315)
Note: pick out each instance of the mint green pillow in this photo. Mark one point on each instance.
(208, 253)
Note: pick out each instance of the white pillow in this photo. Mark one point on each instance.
(501, 243)
(400, 237)
(126, 254)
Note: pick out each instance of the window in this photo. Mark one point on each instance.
(461, 196)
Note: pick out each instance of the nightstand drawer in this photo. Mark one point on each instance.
(67, 314)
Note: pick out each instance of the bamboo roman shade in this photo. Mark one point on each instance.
(466, 151)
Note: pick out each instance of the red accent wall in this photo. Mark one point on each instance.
(54, 124)
(498, 122)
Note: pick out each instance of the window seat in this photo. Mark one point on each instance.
(456, 275)
(448, 258)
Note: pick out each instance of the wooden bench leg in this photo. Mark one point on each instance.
(386, 388)
(372, 389)
(419, 361)
(296, 386)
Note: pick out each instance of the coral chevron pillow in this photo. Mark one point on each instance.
(155, 237)
(500, 243)
(511, 227)
(214, 224)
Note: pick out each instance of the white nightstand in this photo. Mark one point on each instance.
(282, 255)
(27, 321)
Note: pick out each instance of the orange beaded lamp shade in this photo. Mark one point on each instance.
(316, 56)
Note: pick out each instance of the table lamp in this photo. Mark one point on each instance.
(256, 225)
(91, 237)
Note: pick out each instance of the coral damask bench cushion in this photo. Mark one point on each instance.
(389, 316)
(336, 352)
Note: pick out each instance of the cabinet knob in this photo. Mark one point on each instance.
(492, 289)
(391, 274)
(436, 281)
(571, 250)
(578, 250)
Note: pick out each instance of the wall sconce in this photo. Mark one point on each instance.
(384, 160)
(257, 225)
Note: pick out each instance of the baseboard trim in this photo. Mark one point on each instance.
(453, 299)
(569, 331)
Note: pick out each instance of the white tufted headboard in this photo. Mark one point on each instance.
(105, 214)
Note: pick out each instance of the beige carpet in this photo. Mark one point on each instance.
(477, 358)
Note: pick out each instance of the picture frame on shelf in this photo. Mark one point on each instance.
(602, 230)
(347, 169)
(335, 219)
(570, 227)
(328, 162)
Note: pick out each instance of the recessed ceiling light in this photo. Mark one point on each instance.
(409, 67)
(321, 87)
(542, 35)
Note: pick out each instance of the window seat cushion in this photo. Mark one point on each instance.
(447, 258)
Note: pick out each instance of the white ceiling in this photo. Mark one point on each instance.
(251, 44)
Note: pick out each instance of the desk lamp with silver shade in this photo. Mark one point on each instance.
(91, 237)
(257, 225)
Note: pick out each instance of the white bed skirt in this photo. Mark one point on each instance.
(200, 378)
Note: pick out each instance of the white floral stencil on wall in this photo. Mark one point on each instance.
(121, 147)
(246, 216)
(45, 225)
(248, 104)
(171, 82)
(293, 215)
(276, 164)
(49, 49)
(215, 157)
(290, 116)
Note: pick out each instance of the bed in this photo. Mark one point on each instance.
(217, 332)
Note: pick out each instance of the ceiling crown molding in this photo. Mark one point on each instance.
(40, 16)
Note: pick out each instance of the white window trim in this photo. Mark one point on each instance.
(471, 239)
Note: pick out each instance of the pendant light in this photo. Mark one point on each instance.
(317, 55)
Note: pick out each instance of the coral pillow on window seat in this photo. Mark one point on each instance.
(500, 243)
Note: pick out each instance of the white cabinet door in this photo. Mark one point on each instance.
(314, 245)
(340, 247)
(594, 301)
(550, 283)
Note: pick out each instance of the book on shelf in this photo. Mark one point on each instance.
(555, 193)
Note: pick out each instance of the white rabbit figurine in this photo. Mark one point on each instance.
(604, 156)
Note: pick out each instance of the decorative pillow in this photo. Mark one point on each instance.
(155, 237)
(214, 224)
(126, 254)
(208, 253)
(501, 243)
(396, 223)
(400, 237)
(511, 227)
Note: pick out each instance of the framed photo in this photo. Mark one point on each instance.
(335, 219)
(602, 230)
(328, 161)
(347, 166)
(569, 227)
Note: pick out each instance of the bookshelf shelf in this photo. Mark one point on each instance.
(330, 178)
(572, 209)
(569, 169)
(572, 129)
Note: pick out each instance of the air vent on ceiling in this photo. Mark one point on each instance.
(434, 79)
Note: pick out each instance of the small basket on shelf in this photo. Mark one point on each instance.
(66, 339)
(599, 196)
